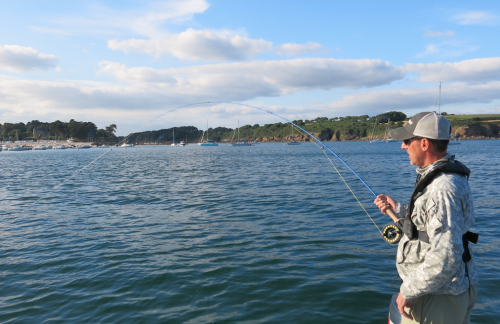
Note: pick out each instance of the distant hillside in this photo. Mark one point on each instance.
(350, 128)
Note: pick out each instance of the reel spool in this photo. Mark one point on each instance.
(392, 234)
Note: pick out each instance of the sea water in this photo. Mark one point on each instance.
(262, 234)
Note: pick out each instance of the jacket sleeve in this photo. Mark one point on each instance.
(443, 259)
(401, 210)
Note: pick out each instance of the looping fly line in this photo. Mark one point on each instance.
(322, 147)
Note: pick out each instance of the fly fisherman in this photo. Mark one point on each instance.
(433, 259)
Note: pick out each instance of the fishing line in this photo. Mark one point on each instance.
(347, 185)
(240, 104)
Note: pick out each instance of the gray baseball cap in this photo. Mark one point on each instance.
(424, 124)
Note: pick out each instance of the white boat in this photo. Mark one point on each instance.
(208, 142)
(254, 139)
(125, 145)
(103, 146)
(16, 148)
(182, 143)
(453, 140)
(387, 138)
(59, 147)
(293, 142)
(240, 142)
(84, 147)
(39, 148)
(377, 140)
(173, 138)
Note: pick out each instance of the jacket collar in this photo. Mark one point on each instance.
(424, 171)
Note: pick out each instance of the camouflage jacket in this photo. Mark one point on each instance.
(445, 212)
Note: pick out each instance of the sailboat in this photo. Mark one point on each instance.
(239, 143)
(208, 142)
(255, 139)
(377, 140)
(173, 137)
(388, 139)
(293, 142)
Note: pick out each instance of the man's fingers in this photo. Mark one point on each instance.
(403, 312)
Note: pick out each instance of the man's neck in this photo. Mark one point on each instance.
(433, 157)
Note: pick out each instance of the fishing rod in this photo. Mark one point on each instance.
(391, 233)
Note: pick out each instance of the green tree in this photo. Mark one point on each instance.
(111, 129)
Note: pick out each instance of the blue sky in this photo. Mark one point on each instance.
(126, 62)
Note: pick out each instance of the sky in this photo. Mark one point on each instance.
(131, 62)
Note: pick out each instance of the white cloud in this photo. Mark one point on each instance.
(148, 24)
(151, 91)
(475, 70)
(146, 21)
(272, 77)
(19, 59)
(420, 98)
(293, 49)
(476, 18)
(446, 33)
(196, 45)
(447, 49)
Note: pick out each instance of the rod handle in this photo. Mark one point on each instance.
(390, 212)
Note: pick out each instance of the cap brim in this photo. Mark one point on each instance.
(400, 134)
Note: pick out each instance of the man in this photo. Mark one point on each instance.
(433, 259)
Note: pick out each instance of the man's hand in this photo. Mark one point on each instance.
(402, 303)
(385, 202)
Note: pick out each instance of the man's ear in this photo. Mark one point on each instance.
(425, 144)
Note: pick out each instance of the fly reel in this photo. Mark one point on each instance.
(392, 234)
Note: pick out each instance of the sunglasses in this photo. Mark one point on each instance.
(408, 141)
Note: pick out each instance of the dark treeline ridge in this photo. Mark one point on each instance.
(78, 130)
(337, 128)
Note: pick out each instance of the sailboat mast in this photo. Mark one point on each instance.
(238, 129)
(373, 131)
(439, 100)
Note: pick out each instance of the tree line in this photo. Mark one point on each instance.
(340, 128)
(78, 130)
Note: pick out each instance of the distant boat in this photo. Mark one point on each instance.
(377, 140)
(240, 142)
(173, 137)
(387, 138)
(293, 142)
(59, 147)
(454, 141)
(255, 139)
(39, 148)
(208, 142)
(16, 148)
(182, 143)
(125, 145)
